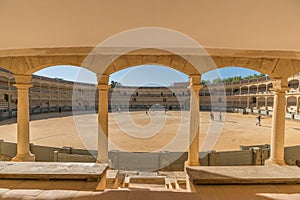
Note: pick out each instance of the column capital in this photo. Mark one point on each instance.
(280, 85)
(102, 87)
(22, 86)
(22, 79)
(102, 79)
(195, 79)
(195, 87)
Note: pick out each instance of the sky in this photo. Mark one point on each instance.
(146, 75)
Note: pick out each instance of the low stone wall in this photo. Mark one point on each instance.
(264, 112)
(289, 116)
(169, 161)
(297, 117)
(255, 111)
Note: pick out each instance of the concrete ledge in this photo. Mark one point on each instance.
(148, 179)
(52, 170)
(112, 181)
(245, 175)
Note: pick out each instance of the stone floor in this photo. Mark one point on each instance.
(61, 130)
(82, 189)
(29, 189)
(248, 192)
(52, 170)
(244, 174)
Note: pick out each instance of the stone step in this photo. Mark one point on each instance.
(244, 175)
(112, 179)
(52, 170)
(148, 179)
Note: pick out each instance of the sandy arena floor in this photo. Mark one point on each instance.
(155, 132)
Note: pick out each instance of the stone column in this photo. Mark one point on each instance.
(248, 102)
(280, 86)
(103, 119)
(193, 154)
(256, 104)
(266, 103)
(297, 106)
(23, 146)
(9, 97)
(9, 105)
(57, 107)
(30, 104)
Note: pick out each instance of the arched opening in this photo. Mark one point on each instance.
(244, 90)
(262, 88)
(261, 103)
(269, 87)
(253, 89)
(291, 104)
(228, 91)
(35, 103)
(293, 84)
(51, 97)
(243, 102)
(236, 91)
(4, 83)
(270, 102)
(152, 92)
(7, 91)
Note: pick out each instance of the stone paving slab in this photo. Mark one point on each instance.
(52, 170)
(244, 175)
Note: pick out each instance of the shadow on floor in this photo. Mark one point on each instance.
(249, 192)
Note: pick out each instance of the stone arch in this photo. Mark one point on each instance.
(291, 104)
(35, 102)
(262, 88)
(253, 89)
(244, 90)
(243, 101)
(291, 101)
(236, 90)
(293, 84)
(53, 87)
(173, 61)
(36, 63)
(270, 102)
(32, 64)
(269, 87)
(35, 86)
(273, 67)
(4, 82)
(261, 102)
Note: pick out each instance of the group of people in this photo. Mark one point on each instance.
(212, 116)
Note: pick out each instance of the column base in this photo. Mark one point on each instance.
(272, 162)
(24, 157)
(106, 162)
(191, 164)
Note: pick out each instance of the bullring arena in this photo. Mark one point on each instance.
(59, 130)
(51, 128)
(195, 139)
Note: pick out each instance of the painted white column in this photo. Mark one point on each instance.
(194, 126)
(23, 145)
(103, 119)
(280, 86)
